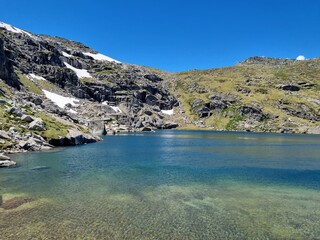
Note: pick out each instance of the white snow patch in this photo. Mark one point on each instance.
(167, 112)
(72, 111)
(66, 54)
(59, 100)
(301, 58)
(116, 109)
(81, 73)
(32, 76)
(100, 57)
(13, 29)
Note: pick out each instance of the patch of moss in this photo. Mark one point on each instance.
(90, 80)
(281, 74)
(31, 86)
(233, 123)
(105, 71)
(55, 129)
(6, 88)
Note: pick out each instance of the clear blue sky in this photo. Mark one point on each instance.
(177, 35)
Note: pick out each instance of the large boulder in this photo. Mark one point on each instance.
(4, 135)
(27, 118)
(153, 77)
(301, 111)
(76, 137)
(37, 125)
(252, 113)
(292, 88)
(34, 143)
(314, 130)
(170, 125)
(15, 111)
(4, 157)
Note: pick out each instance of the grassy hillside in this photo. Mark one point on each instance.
(255, 83)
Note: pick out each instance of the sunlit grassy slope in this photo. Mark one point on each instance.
(254, 83)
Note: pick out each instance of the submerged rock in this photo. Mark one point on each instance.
(16, 202)
(4, 157)
(39, 168)
(7, 163)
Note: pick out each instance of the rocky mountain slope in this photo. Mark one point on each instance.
(57, 92)
(259, 94)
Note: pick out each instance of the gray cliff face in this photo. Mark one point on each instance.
(6, 67)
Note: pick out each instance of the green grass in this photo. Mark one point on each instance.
(106, 71)
(6, 88)
(31, 86)
(88, 80)
(261, 80)
(233, 123)
(55, 129)
(283, 75)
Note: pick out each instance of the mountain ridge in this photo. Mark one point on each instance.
(258, 94)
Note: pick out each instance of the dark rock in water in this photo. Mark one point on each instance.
(16, 202)
(39, 168)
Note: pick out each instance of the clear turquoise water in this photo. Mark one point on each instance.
(169, 185)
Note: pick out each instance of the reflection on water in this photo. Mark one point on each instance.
(169, 185)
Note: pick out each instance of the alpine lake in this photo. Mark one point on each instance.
(168, 185)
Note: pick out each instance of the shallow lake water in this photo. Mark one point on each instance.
(168, 185)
